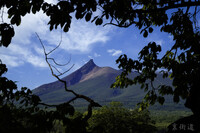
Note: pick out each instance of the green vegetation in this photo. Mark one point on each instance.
(114, 118)
(98, 88)
(22, 111)
(107, 119)
(164, 118)
(181, 62)
(117, 119)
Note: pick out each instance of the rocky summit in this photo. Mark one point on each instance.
(94, 82)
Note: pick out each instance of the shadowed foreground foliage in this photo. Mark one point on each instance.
(114, 118)
(181, 62)
(21, 111)
(117, 119)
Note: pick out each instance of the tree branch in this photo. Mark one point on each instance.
(122, 26)
(160, 9)
(56, 46)
(185, 4)
(58, 64)
(91, 102)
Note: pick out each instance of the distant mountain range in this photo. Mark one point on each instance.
(94, 82)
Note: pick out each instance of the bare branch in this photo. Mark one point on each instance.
(188, 8)
(89, 114)
(41, 44)
(175, 54)
(67, 70)
(158, 9)
(73, 99)
(56, 69)
(54, 48)
(195, 17)
(57, 45)
(60, 74)
(58, 64)
(122, 26)
(77, 96)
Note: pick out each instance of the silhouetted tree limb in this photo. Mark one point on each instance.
(55, 48)
(77, 96)
(168, 6)
(153, 7)
(58, 63)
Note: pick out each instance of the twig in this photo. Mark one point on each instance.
(67, 70)
(195, 17)
(56, 46)
(164, 8)
(56, 69)
(60, 74)
(175, 54)
(122, 26)
(187, 10)
(58, 64)
(91, 102)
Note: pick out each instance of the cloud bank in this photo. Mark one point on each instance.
(114, 52)
(25, 47)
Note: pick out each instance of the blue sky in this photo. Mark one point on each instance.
(25, 58)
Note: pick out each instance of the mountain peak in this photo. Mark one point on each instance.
(76, 76)
(88, 66)
(90, 62)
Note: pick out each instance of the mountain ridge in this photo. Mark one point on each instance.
(94, 81)
(87, 71)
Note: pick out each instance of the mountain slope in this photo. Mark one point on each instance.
(86, 73)
(94, 82)
(71, 79)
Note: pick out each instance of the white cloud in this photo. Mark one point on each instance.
(11, 61)
(51, 1)
(114, 52)
(81, 38)
(15, 55)
(96, 55)
(89, 56)
(159, 42)
(31, 23)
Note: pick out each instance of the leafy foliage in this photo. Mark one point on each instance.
(22, 111)
(181, 62)
(6, 33)
(120, 13)
(15, 117)
(182, 66)
(116, 119)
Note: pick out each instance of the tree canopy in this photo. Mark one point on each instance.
(181, 62)
(115, 118)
